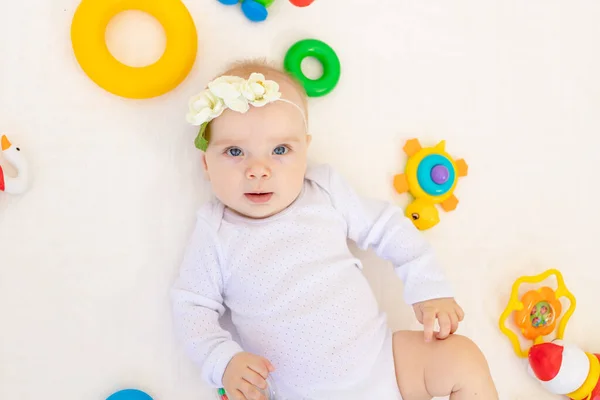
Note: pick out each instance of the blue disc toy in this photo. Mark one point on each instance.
(129, 394)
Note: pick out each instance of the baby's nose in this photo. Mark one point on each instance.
(258, 171)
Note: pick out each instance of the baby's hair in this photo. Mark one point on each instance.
(243, 69)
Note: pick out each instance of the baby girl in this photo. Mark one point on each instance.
(272, 248)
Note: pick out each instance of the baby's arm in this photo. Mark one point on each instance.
(383, 227)
(198, 304)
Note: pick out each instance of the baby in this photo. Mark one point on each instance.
(272, 248)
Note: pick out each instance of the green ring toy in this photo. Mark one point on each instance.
(325, 55)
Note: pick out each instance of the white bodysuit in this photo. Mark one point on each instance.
(296, 293)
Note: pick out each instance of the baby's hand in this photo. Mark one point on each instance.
(244, 374)
(447, 311)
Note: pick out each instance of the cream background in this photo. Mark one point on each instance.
(88, 254)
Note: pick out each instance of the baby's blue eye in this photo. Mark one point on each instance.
(280, 150)
(234, 152)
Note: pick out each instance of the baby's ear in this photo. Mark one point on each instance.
(205, 165)
(308, 139)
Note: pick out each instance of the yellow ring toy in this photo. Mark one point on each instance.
(89, 45)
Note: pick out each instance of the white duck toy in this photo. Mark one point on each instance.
(13, 155)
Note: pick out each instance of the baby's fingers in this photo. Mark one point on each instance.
(261, 366)
(270, 366)
(460, 312)
(428, 323)
(251, 392)
(454, 322)
(255, 378)
(445, 325)
(236, 395)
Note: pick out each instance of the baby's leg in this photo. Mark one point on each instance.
(454, 366)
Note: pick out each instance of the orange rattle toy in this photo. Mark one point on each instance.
(561, 368)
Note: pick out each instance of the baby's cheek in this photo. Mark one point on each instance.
(291, 158)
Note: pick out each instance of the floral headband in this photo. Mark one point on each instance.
(234, 93)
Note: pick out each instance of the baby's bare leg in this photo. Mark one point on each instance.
(454, 366)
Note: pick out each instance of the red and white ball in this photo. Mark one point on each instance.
(560, 368)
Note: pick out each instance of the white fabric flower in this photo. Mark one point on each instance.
(204, 107)
(259, 91)
(229, 88)
(230, 92)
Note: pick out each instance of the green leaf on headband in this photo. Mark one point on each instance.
(200, 141)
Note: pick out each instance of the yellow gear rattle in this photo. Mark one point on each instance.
(560, 368)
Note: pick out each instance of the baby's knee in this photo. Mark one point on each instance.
(439, 368)
(467, 356)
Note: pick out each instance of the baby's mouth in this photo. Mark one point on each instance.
(259, 198)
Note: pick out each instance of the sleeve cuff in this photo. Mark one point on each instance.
(428, 291)
(219, 359)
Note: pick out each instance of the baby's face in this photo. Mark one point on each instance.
(256, 161)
